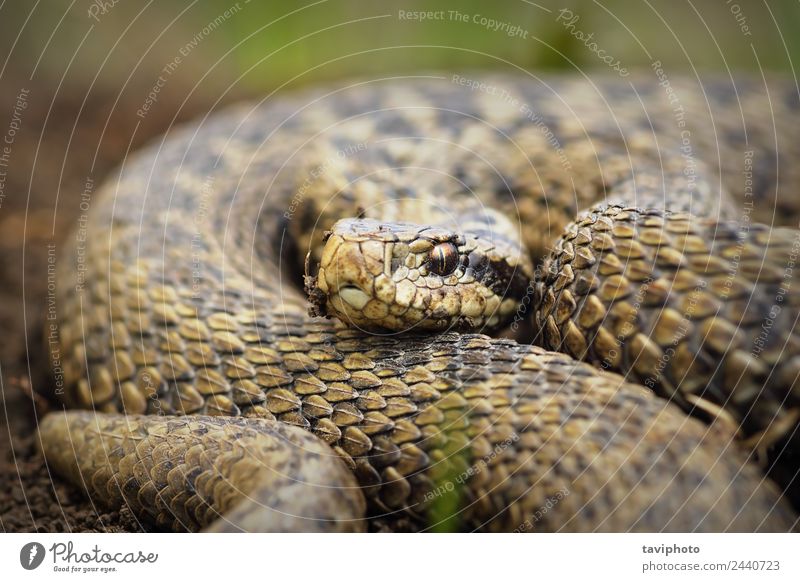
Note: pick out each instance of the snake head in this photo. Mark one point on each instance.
(400, 276)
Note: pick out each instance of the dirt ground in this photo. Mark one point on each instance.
(59, 140)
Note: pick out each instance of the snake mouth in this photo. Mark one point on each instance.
(353, 296)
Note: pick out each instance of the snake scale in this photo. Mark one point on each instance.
(607, 234)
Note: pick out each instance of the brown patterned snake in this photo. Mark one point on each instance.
(183, 321)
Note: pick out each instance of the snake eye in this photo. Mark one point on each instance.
(443, 259)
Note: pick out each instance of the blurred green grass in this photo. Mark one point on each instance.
(704, 34)
(262, 44)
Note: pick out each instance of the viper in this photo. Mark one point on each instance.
(398, 304)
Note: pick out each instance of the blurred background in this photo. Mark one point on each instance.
(84, 82)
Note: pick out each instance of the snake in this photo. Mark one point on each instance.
(435, 302)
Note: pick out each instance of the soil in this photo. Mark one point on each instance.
(61, 140)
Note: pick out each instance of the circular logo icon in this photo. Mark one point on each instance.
(31, 555)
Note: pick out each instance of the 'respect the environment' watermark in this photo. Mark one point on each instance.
(52, 331)
(523, 107)
(169, 69)
(198, 245)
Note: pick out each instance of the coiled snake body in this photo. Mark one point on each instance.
(432, 209)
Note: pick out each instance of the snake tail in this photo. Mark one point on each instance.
(205, 472)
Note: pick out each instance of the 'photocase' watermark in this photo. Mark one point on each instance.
(100, 8)
(66, 558)
(568, 20)
(31, 555)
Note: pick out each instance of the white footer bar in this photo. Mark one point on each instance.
(406, 558)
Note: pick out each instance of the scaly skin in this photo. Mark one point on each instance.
(188, 300)
(207, 472)
(699, 310)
